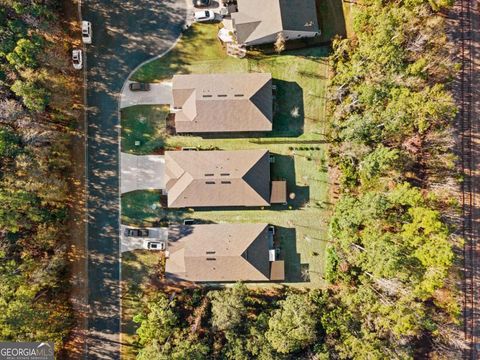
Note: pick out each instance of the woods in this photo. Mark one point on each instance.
(36, 121)
(392, 255)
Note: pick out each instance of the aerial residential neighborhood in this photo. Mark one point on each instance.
(239, 179)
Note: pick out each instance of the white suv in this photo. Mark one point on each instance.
(204, 16)
(87, 32)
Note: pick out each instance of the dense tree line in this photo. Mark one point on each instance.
(35, 118)
(391, 290)
(235, 323)
(392, 258)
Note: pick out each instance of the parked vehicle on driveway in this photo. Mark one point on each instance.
(77, 59)
(136, 86)
(155, 245)
(271, 230)
(201, 3)
(136, 232)
(204, 16)
(87, 32)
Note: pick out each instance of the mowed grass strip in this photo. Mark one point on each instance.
(143, 128)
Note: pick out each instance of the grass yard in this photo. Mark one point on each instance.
(144, 124)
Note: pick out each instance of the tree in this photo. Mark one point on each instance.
(158, 322)
(9, 143)
(24, 55)
(34, 98)
(228, 307)
(280, 43)
(293, 327)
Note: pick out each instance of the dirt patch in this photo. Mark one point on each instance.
(77, 255)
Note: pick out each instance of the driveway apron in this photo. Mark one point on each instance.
(125, 34)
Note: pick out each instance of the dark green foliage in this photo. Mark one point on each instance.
(34, 97)
(392, 251)
(9, 143)
(293, 326)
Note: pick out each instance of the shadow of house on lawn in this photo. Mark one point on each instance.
(284, 169)
(295, 271)
(331, 19)
(289, 115)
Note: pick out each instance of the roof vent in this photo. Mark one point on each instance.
(224, 174)
(222, 95)
(207, 96)
(211, 259)
(210, 182)
(226, 182)
(209, 174)
(239, 95)
(210, 252)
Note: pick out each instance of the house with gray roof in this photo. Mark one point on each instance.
(260, 22)
(216, 103)
(222, 253)
(219, 179)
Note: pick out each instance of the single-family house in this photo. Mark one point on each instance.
(220, 179)
(261, 22)
(222, 253)
(217, 103)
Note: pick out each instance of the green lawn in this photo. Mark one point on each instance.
(144, 124)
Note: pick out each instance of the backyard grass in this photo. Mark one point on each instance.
(144, 124)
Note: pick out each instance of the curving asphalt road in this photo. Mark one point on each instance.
(125, 34)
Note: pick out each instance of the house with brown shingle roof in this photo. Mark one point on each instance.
(216, 103)
(221, 253)
(260, 22)
(218, 178)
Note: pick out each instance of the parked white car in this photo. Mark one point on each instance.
(87, 32)
(155, 245)
(204, 15)
(77, 59)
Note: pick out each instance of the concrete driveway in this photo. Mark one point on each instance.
(129, 243)
(159, 94)
(141, 172)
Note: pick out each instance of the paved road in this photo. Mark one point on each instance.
(125, 33)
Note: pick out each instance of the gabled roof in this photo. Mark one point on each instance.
(253, 21)
(217, 178)
(219, 253)
(223, 102)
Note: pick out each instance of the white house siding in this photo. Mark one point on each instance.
(288, 34)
